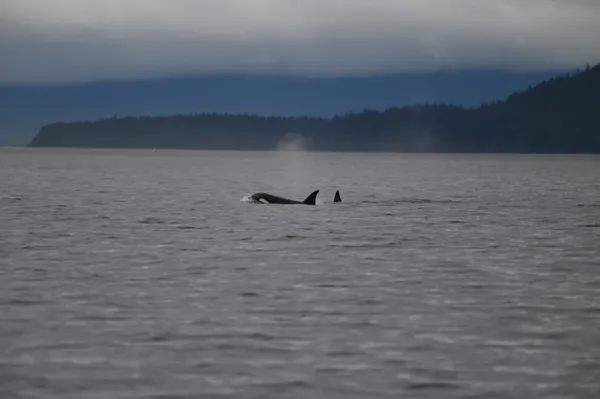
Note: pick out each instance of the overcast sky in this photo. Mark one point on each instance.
(81, 40)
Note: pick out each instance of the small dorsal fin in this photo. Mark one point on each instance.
(337, 197)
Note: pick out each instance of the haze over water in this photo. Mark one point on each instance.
(140, 274)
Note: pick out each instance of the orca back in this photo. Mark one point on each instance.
(266, 198)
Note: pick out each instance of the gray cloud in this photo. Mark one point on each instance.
(80, 40)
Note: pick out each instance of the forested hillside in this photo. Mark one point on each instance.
(560, 115)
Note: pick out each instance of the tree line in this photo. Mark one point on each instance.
(560, 115)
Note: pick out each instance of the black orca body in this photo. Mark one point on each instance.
(265, 198)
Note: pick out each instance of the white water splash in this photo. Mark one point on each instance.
(246, 198)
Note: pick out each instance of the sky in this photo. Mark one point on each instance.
(62, 41)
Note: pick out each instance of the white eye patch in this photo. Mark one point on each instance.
(264, 201)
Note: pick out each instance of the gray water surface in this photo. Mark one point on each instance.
(140, 274)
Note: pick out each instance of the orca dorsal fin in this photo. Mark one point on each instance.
(311, 199)
(337, 197)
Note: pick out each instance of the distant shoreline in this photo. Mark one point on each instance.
(196, 150)
(558, 116)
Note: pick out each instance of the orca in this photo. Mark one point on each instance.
(337, 197)
(265, 198)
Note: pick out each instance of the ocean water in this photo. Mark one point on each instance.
(144, 274)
